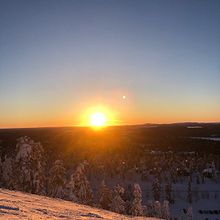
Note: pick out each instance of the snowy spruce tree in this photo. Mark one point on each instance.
(157, 209)
(105, 196)
(189, 213)
(57, 180)
(29, 166)
(0, 171)
(79, 189)
(7, 173)
(166, 210)
(128, 198)
(168, 192)
(156, 188)
(145, 211)
(149, 210)
(136, 209)
(118, 204)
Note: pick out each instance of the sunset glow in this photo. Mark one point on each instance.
(98, 116)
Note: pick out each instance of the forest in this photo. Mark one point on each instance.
(134, 170)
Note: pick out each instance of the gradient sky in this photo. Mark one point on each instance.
(60, 58)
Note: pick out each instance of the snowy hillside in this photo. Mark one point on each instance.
(18, 205)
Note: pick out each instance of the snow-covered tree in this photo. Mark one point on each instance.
(145, 211)
(0, 171)
(79, 187)
(118, 204)
(156, 188)
(128, 198)
(57, 180)
(149, 210)
(157, 209)
(214, 171)
(168, 192)
(29, 166)
(38, 164)
(166, 210)
(136, 208)
(105, 196)
(189, 213)
(7, 173)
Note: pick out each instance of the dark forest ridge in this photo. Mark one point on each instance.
(176, 136)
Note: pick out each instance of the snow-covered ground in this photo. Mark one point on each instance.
(207, 138)
(19, 205)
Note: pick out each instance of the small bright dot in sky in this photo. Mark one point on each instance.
(124, 97)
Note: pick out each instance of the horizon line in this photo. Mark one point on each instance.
(119, 125)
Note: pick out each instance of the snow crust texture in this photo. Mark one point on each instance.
(18, 205)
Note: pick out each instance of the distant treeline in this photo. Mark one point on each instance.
(117, 140)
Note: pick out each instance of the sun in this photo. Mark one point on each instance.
(98, 119)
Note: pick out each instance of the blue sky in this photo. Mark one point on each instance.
(58, 58)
